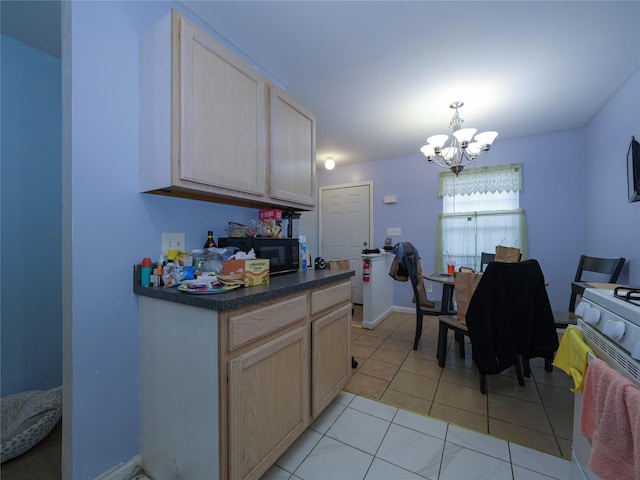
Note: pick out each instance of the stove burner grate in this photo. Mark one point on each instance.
(628, 294)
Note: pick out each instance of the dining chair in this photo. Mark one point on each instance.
(460, 331)
(611, 267)
(509, 319)
(408, 260)
(485, 258)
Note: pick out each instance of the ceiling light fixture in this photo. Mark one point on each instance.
(460, 152)
(329, 164)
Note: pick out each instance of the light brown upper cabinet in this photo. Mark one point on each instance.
(205, 125)
(293, 150)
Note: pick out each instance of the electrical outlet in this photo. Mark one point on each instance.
(394, 232)
(172, 241)
(429, 288)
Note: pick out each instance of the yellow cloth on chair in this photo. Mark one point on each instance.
(571, 356)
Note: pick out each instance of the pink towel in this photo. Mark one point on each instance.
(611, 419)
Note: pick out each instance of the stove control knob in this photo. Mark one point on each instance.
(614, 329)
(591, 315)
(581, 309)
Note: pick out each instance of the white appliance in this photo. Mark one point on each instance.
(610, 324)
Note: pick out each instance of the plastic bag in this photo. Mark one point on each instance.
(172, 275)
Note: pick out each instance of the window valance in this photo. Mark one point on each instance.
(494, 179)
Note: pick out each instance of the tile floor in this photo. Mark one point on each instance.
(404, 417)
(538, 415)
(359, 438)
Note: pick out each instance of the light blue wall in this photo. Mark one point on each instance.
(31, 219)
(612, 225)
(112, 228)
(552, 176)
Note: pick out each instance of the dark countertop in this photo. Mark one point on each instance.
(278, 286)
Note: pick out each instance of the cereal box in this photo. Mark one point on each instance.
(255, 271)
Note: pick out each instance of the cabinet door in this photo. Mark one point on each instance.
(222, 116)
(293, 150)
(268, 402)
(331, 356)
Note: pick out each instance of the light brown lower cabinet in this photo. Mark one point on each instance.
(331, 358)
(268, 401)
(284, 361)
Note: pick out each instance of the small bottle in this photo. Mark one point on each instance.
(160, 282)
(303, 252)
(145, 272)
(210, 243)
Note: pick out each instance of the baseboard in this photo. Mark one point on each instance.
(130, 470)
(374, 323)
(404, 309)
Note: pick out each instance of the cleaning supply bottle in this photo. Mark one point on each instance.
(303, 252)
(145, 272)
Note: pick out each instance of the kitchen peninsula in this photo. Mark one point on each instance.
(229, 381)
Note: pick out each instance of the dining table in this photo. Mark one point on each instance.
(445, 306)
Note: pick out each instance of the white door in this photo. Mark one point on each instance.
(345, 224)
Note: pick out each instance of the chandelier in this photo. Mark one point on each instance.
(461, 151)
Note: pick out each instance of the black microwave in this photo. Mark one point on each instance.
(283, 253)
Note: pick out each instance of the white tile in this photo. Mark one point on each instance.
(326, 418)
(276, 473)
(430, 426)
(293, 457)
(521, 473)
(460, 463)
(344, 398)
(331, 459)
(381, 470)
(360, 430)
(540, 462)
(479, 442)
(377, 409)
(412, 450)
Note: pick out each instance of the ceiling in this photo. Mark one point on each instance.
(380, 75)
(34, 22)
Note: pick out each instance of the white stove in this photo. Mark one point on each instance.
(623, 301)
(611, 328)
(611, 319)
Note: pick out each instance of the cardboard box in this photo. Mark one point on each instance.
(271, 214)
(271, 222)
(256, 271)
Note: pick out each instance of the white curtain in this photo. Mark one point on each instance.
(464, 235)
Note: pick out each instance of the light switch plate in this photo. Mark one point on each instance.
(394, 232)
(172, 241)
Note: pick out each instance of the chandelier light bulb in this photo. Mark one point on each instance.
(437, 140)
(428, 151)
(486, 138)
(465, 135)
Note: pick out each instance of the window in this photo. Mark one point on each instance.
(480, 209)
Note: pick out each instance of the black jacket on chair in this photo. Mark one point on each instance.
(510, 315)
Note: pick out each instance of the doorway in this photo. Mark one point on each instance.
(346, 223)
